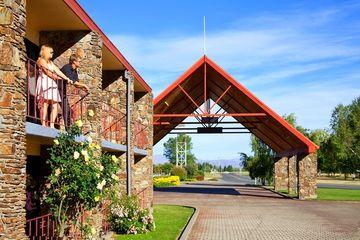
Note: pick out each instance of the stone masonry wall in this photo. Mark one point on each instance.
(143, 167)
(12, 119)
(307, 176)
(281, 174)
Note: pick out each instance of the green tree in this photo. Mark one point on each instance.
(345, 123)
(320, 138)
(170, 149)
(261, 164)
(291, 118)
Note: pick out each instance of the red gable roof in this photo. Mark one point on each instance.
(271, 129)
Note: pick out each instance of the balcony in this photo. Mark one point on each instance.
(113, 128)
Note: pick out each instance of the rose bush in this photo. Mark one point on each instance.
(81, 177)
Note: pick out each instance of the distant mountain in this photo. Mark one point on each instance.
(160, 159)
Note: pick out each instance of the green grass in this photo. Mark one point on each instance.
(170, 220)
(338, 194)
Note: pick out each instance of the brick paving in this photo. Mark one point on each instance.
(245, 212)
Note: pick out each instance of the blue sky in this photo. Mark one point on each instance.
(301, 57)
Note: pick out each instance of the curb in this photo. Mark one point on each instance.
(186, 231)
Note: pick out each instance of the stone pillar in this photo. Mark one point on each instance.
(292, 174)
(89, 45)
(12, 119)
(281, 174)
(307, 176)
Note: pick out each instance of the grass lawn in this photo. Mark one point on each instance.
(338, 194)
(170, 220)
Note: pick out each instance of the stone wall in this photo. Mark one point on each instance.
(12, 119)
(143, 166)
(281, 174)
(307, 176)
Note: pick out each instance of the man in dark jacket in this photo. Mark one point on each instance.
(70, 70)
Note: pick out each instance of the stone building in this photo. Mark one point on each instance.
(117, 95)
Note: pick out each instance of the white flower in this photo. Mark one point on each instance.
(56, 142)
(84, 152)
(91, 113)
(89, 139)
(97, 175)
(115, 177)
(57, 172)
(101, 167)
(101, 185)
(114, 158)
(103, 182)
(76, 155)
(97, 146)
(97, 198)
(79, 123)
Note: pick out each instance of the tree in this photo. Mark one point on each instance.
(291, 118)
(261, 164)
(170, 149)
(345, 123)
(320, 138)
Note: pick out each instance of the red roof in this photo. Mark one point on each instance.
(80, 12)
(271, 129)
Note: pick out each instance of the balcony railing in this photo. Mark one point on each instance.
(113, 124)
(40, 88)
(141, 136)
(43, 226)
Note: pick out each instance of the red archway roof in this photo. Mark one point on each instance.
(187, 93)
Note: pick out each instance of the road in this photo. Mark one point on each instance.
(235, 178)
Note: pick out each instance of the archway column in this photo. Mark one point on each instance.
(281, 174)
(307, 169)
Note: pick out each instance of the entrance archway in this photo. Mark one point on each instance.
(204, 85)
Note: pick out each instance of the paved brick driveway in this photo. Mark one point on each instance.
(242, 212)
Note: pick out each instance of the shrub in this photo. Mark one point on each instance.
(166, 181)
(166, 168)
(126, 217)
(191, 170)
(179, 171)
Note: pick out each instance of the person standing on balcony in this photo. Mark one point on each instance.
(70, 70)
(47, 90)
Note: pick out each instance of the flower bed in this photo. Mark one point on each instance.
(166, 181)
